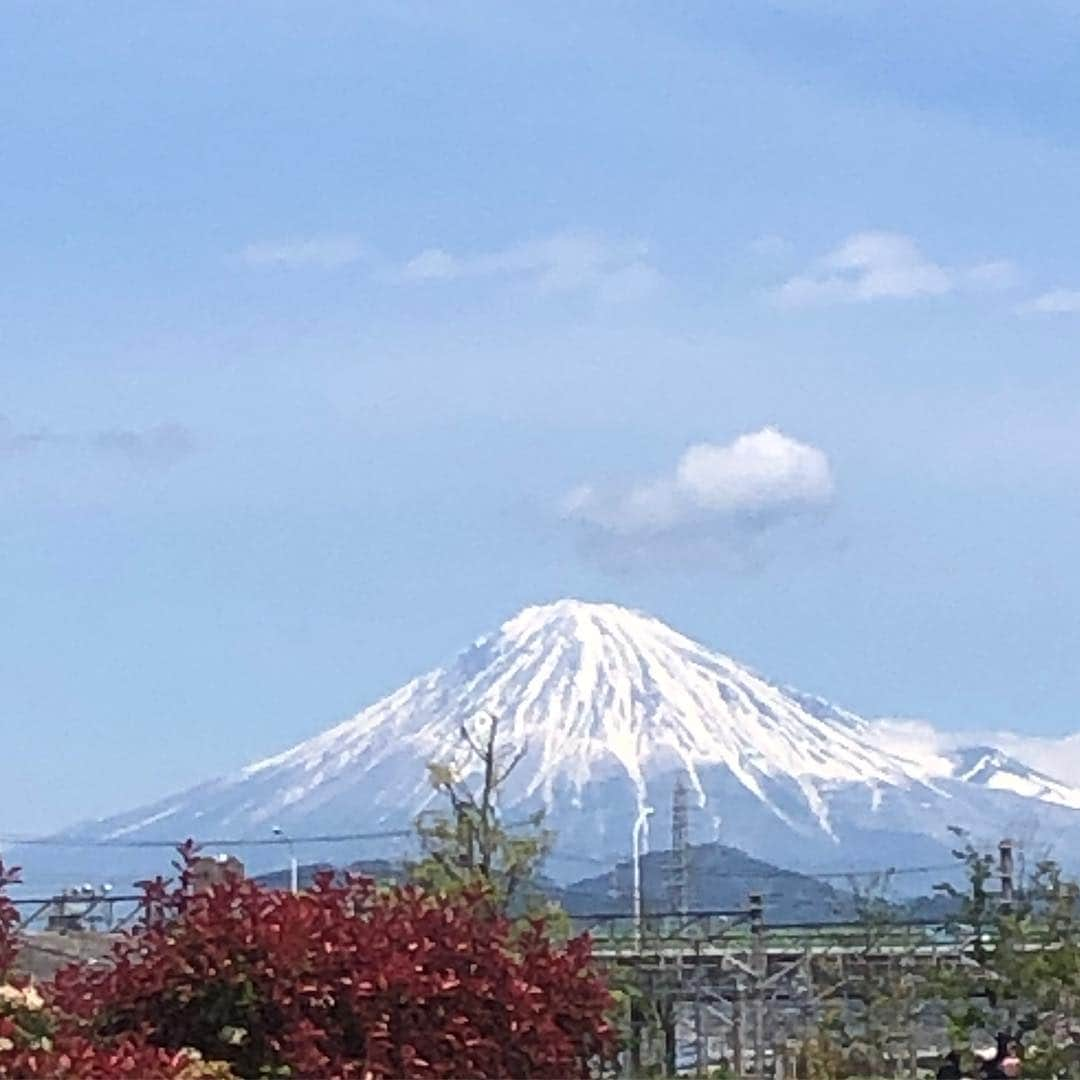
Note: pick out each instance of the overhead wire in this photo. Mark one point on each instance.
(820, 873)
(256, 841)
(749, 876)
(84, 843)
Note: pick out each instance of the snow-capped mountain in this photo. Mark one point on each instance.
(1053, 759)
(992, 768)
(612, 707)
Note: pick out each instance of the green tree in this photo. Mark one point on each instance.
(968, 1004)
(465, 842)
(1021, 974)
(872, 1000)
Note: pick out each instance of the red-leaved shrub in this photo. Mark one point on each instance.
(75, 1057)
(9, 920)
(345, 980)
(38, 1041)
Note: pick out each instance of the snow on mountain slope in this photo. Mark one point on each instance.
(1054, 759)
(992, 768)
(593, 689)
(613, 706)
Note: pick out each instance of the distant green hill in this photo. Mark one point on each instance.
(719, 878)
(380, 869)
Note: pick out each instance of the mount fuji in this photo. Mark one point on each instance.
(612, 708)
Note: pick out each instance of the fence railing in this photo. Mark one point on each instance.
(79, 910)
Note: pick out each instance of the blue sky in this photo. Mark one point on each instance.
(332, 333)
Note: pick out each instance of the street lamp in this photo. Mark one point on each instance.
(639, 827)
(110, 904)
(294, 866)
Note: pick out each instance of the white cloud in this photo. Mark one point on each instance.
(1059, 758)
(754, 472)
(563, 263)
(883, 265)
(1055, 302)
(566, 262)
(918, 739)
(318, 252)
(715, 499)
(636, 280)
(433, 264)
(996, 275)
(915, 740)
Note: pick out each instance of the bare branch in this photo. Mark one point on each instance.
(515, 761)
(467, 736)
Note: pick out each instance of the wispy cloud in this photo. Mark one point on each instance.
(715, 499)
(163, 444)
(14, 441)
(570, 261)
(993, 276)
(883, 265)
(316, 252)
(160, 445)
(566, 262)
(1055, 302)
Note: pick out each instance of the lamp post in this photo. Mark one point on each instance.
(294, 866)
(639, 827)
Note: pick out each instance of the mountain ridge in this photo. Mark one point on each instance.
(613, 707)
(718, 878)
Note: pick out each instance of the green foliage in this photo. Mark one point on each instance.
(466, 844)
(9, 920)
(1017, 975)
(872, 1004)
(1022, 970)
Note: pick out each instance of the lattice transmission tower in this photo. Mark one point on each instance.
(679, 863)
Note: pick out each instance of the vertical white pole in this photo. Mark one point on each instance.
(639, 826)
(636, 846)
(294, 866)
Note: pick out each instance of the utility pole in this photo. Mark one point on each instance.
(700, 1048)
(737, 1051)
(758, 962)
(1005, 872)
(637, 1028)
(669, 1020)
(631, 1051)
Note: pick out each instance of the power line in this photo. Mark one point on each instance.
(821, 873)
(884, 871)
(572, 856)
(58, 841)
(398, 834)
(267, 841)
